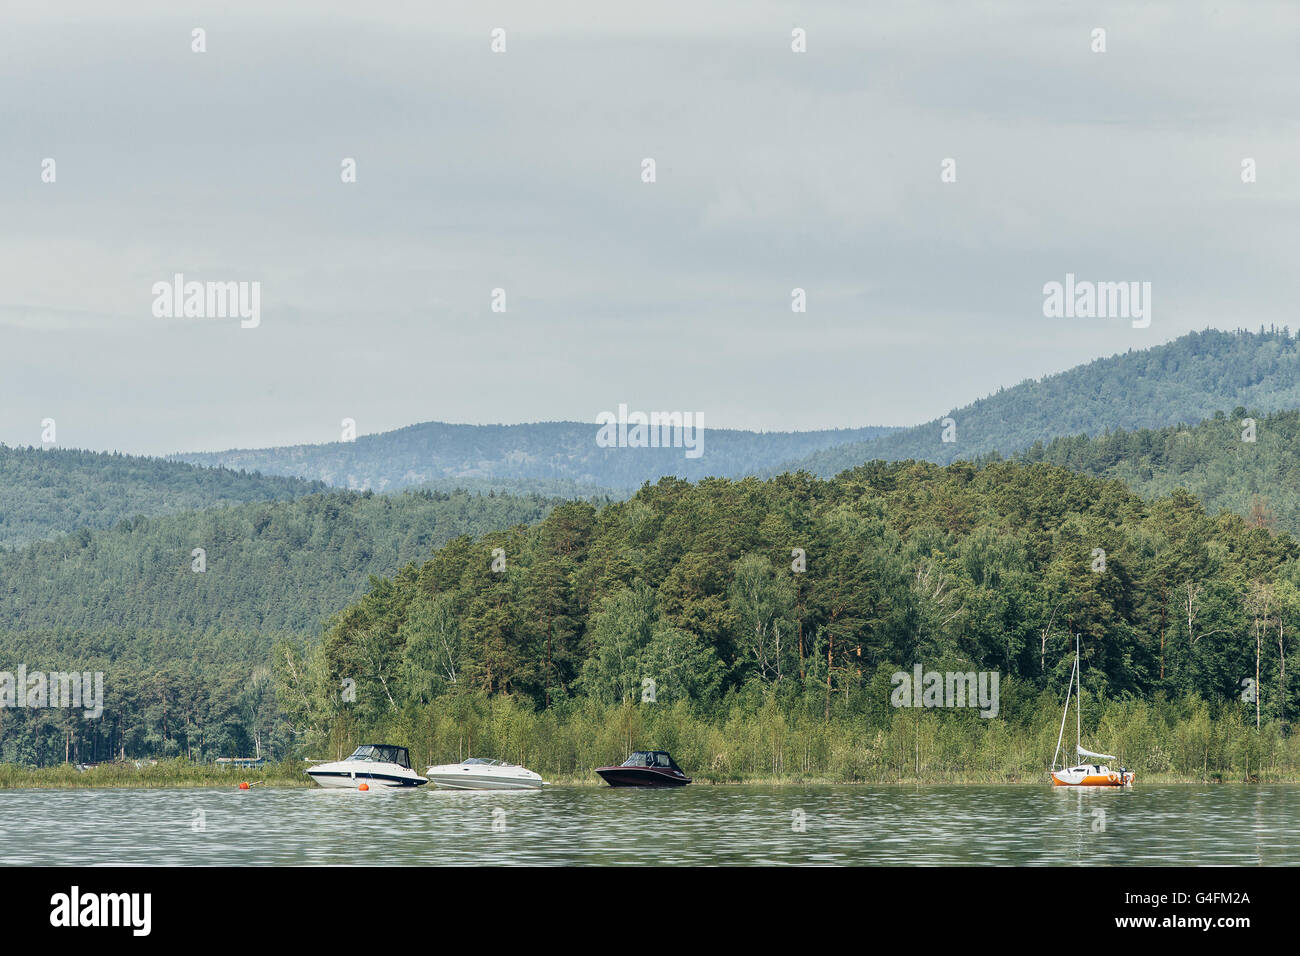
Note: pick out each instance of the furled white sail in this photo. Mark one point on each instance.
(1089, 753)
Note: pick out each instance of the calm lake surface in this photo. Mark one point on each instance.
(695, 825)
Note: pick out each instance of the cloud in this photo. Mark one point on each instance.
(479, 171)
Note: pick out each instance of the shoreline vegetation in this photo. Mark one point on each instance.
(40, 782)
(767, 742)
(197, 777)
(177, 772)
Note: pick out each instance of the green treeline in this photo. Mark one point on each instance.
(45, 492)
(193, 695)
(761, 609)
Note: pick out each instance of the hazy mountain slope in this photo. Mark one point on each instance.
(44, 492)
(564, 455)
(1186, 380)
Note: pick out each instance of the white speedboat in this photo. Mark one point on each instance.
(377, 765)
(478, 773)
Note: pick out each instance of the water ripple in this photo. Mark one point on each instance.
(697, 825)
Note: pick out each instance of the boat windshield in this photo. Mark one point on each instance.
(486, 762)
(646, 758)
(382, 754)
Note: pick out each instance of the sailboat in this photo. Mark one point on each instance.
(1084, 774)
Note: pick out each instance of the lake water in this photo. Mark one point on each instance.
(851, 825)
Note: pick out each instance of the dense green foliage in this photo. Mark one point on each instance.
(194, 694)
(1185, 380)
(1258, 479)
(44, 492)
(693, 587)
(269, 566)
(185, 654)
(562, 457)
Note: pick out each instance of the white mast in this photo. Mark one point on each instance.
(1065, 713)
(1078, 702)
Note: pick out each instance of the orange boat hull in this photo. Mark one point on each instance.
(1111, 779)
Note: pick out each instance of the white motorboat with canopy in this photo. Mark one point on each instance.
(377, 765)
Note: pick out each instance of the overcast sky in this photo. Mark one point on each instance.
(522, 170)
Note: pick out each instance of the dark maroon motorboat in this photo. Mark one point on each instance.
(645, 768)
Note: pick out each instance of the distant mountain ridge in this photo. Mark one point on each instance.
(45, 493)
(548, 457)
(1186, 380)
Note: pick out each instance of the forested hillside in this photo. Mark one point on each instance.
(273, 566)
(186, 653)
(562, 456)
(693, 588)
(47, 491)
(1216, 460)
(767, 615)
(1186, 380)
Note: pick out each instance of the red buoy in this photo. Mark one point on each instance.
(364, 786)
(243, 785)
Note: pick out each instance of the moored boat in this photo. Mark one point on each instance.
(479, 773)
(1092, 775)
(1084, 774)
(376, 765)
(645, 768)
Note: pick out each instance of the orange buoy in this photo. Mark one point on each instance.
(364, 786)
(243, 785)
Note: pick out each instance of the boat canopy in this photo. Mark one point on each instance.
(1089, 753)
(651, 758)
